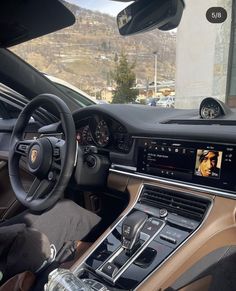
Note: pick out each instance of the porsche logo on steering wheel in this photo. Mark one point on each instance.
(33, 155)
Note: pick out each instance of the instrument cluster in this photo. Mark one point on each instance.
(104, 133)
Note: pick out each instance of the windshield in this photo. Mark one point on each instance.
(190, 63)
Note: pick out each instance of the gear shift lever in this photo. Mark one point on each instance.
(131, 229)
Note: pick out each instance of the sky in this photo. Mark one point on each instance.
(104, 6)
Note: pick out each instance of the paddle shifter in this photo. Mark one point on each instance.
(131, 229)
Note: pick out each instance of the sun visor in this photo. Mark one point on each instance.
(22, 20)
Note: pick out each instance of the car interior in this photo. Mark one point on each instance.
(161, 179)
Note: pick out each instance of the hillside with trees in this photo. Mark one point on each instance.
(86, 53)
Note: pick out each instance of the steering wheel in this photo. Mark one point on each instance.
(48, 158)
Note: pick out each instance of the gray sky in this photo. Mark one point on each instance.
(104, 6)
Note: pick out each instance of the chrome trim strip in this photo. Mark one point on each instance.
(129, 168)
(175, 183)
(76, 153)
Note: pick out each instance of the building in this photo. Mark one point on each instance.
(107, 94)
(208, 48)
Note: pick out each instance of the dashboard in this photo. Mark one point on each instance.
(171, 144)
(178, 145)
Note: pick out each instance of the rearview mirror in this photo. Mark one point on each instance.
(144, 15)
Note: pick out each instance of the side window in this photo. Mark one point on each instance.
(8, 111)
(82, 100)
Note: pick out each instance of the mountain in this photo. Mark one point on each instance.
(85, 53)
(104, 6)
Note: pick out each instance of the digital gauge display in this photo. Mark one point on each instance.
(84, 136)
(102, 134)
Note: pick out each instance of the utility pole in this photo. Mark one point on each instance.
(155, 73)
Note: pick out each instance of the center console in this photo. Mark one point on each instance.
(158, 224)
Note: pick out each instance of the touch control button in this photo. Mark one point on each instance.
(110, 269)
(171, 236)
(169, 239)
(151, 227)
(99, 287)
(94, 285)
(89, 282)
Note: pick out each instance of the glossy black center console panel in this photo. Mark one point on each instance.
(168, 225)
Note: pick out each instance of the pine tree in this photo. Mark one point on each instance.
(116, 58)
(124, 77)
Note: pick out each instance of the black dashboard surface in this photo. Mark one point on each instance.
(145, 121)
(117, 130)
(155, 122)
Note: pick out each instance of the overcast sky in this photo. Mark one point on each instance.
(104, 6)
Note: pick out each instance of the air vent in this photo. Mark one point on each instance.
(186, 205)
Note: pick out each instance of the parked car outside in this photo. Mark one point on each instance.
(166, 102)
(153, 101)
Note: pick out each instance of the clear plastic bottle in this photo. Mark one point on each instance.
(64, 280)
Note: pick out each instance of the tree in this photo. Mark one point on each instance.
(116, 58)
(124, 77)
(104, 46)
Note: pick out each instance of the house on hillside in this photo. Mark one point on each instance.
(107, 94)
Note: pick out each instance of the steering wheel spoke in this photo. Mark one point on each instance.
(58, 154)
(59, 149)
(38, 189)
(22, 147)
(56, 165)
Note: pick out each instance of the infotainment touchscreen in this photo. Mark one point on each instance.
(201, 163)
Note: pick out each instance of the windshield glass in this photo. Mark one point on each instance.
(189, 63)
